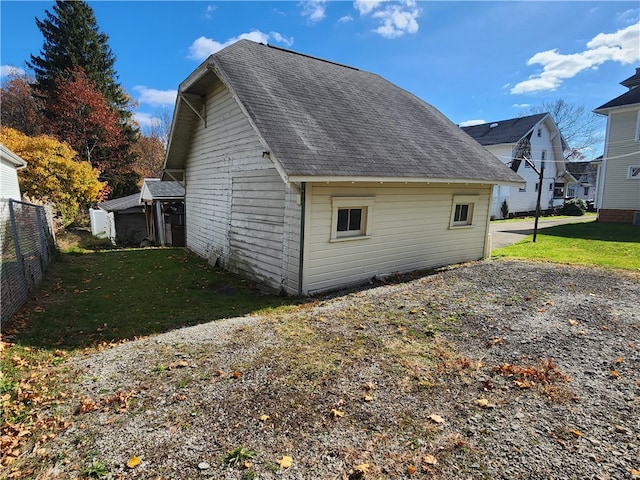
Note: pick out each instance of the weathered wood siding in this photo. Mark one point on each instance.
(622, 151)
(238, 209)
(9, 188)
(409, 231)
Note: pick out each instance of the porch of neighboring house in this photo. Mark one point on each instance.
(164, 212)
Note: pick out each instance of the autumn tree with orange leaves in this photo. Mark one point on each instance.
(53, 174)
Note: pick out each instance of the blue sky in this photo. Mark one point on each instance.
(473, 61)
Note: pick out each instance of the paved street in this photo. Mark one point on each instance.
(503, 234)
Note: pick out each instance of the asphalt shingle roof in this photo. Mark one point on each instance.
(320, 118)
(166, 189)
(503, 131)
(628, 98)
(123, 203)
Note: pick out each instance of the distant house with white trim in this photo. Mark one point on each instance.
(619, 185)
(538, 138)
(307, 175)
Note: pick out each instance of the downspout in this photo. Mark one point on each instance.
(488, 240)
(303, 195)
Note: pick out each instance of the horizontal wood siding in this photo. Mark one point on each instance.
(409, 231)
(9, 182)
(622, 151)
(235, 199)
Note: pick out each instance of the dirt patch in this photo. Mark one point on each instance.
(490, 370)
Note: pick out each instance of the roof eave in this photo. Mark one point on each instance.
(365, 179)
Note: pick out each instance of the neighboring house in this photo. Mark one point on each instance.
(538, 138)
(586, 175)
(164, 210)
(122, 220)
(10, 163)
(619, 185)
(307, 175)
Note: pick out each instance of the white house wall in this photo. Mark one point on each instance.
(9, 188)
(409, 231)
(622, 151)
(235, 200)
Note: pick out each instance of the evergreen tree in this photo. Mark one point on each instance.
(72, 41)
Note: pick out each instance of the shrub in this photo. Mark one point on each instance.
(574, 207)
(504, 209)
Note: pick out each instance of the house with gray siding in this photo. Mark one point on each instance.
(618, 197)
(307, 175)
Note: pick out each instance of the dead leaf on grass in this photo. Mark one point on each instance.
(436, 418)
(285, 461)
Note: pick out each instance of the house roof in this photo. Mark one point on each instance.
(123, 203)
(631, 97)
(11, 157)
(154, 189)
(578, 169)
(503, 131)
(318, 119)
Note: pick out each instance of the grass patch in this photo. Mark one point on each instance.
(612, 245)
(114, 295)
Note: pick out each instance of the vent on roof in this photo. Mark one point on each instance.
(493, 125)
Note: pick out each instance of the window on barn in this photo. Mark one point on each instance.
(351, 218)
(462, 211)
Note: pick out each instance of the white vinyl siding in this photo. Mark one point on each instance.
(235, 202)
(409, 230)
(9, 188)
(621, 192)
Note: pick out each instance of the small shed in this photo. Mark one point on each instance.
(121, 219)
(164, 211)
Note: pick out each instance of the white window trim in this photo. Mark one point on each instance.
(629, 176)
(470, 200)
(637, 137)
(365, 203)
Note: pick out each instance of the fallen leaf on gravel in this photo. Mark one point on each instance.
(635, 473)
(368, 398)
(619, 360)
(337, 413)
(614, 374)
(362, 468)
(482, 402)
(411, 469)
(577, 433)
(133, 462)
(248, 464)
(264, 418)
(369, 386)
(436, 418)
(572, 322)
(236, 374)
(430, 460)
(285, 462)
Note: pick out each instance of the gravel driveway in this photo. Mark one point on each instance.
(497, 369)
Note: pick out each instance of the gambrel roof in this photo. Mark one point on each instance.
(322, 120)
(503, 131)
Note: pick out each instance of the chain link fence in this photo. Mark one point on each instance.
(26, 236)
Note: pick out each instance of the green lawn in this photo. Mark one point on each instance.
(591, 243)
(108, 296)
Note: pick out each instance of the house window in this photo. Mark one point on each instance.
(586, 191)
(558, 190)
(539, 132)
(634, 172)
(571, 192)
(523, 189)
(351, 218)
(551, 185)
(537, 186)
(543, 155)
(462, 211)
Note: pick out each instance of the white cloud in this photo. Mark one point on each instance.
(202, 47)
(345, 19)
(152, 96)
(146, 120)
(622, 46)
(470, 123)
(396, 18)
(281, 39)
(209, 11)
(6, 70)
(314, 10)
(522, 105)
(365, 7)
